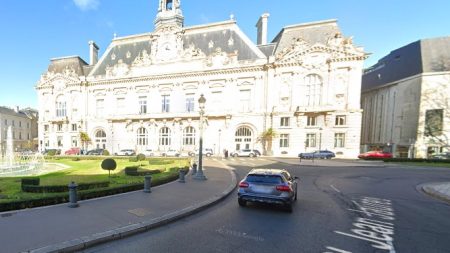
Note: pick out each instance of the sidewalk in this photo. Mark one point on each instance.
(63, 229)
(438, 190)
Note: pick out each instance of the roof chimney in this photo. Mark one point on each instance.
(93, 53)
(262, 29)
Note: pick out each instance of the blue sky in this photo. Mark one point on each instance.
(32, 32)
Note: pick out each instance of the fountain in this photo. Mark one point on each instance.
(12, 165)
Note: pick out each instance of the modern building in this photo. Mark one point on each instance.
(142, 92)
(24, 128)
(406, 100)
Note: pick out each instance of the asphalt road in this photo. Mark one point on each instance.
(342, 207)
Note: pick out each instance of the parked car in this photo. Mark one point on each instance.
(375, 155)
(171, 152)
(445, 156)
(257, 153)
(273, 186)
(319, 154)
(73, 151)
(98, 151)
(149, 152)
(206, 152)
(243, 152)
(126, 152)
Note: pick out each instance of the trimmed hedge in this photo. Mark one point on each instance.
(417, 160)
(140, 157)
(134, 171)
(62, 188)
(83, 195)
(30, 181)
(160, 161)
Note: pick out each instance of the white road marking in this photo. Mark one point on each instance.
(334, 188)
(336, 250)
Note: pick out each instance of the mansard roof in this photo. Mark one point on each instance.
(203, 38)
(422, 56)
(74, 63)
(312, 33)
(11, 112)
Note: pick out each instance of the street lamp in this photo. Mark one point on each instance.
(220, 131)
(320, 138)
(201, 106)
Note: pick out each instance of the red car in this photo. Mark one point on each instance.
(375, 155)
(72, 151)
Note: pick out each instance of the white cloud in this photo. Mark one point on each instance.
(86, 5)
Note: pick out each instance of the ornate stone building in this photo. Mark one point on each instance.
(142, 93)
(406, 101)
(24, 128)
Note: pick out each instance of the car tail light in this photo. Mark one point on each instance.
(283, 188)
(243, 185)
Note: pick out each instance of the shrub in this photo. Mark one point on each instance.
(76, 159)
(160, 161)
(133, 159)
(105, 152)
(63, 188)
(51, 153)
(29, 181)
(109, 164)
(140, 157)
(134, 171)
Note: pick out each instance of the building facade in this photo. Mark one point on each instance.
(24, 128)
(406, 100)
(142, 93)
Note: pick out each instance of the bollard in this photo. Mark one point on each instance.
(147, 183)
(73, 195)
(194, 169)
(181, 177)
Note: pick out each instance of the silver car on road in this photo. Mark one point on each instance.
(273, 186)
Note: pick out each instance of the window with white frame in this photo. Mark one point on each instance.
(59, 127)
(285, 121)
(189, 136)
(142, 137)
(100, 139)
(60, 107)
(142, 105)
(99, 107)
(310, 140)
(74, 141)
(216, 100)
(284, 140)
(46, 128)
(339, 140)
(311, 121)
(313, 92)
(190, 102)
(74, 127)
(165, 103)
(164, 136)
(245, 100)
(59, 140)
(340, 120)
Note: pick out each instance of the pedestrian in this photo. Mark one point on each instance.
(226, 153)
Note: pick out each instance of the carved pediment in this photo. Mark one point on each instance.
(220, 58)
(49, 78)
(120, 69)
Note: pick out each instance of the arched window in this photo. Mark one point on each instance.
(60, 107)
(243, 138)
(189, 136)
(164, 136)
(100, 139)
(313, 92)
(142, 137)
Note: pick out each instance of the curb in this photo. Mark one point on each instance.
(430, 190)
(133, 229)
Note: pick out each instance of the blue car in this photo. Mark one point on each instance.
(319, 154)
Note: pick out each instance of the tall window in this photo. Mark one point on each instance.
(311, 121)
(59, 127)
(165, 103)
(245, 100)
(310, 140)
(46, 128)
(243, 138)
(434, 122)
(340, 120)
(189, 136)
(120, 106)
(142, 105)
(60, 107)
(74, 127)
(285, 121)
(142, 137)
(284, 140)
(60, 141)
(74, 141)
(164, 136)
(313, 92)
(190, 102)
(216, 101)
(100, 139)
(339, 140)
(99, 107)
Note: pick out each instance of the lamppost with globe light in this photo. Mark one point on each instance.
(201, 106)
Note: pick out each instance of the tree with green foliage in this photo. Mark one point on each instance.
(109, 164)
(266, 139)
(85, 139)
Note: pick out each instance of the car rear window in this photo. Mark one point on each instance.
(270, 179)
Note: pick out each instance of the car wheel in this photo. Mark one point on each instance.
(251, 155)
(242, 202)
(234, 155)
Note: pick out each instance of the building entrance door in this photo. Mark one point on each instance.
(243, 138)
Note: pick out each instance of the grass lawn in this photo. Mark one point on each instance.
(87, 171)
